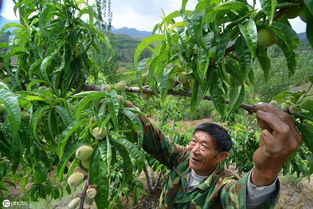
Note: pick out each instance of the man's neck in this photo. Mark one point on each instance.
(205, 173)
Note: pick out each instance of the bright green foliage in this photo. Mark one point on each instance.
(217, 42)
(56, 50)
(53, 44)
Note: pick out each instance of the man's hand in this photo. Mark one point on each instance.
(278, 140)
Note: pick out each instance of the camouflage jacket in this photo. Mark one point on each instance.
(222, 189)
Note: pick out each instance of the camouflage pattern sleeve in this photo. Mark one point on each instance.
(233, 194)
(161, 147)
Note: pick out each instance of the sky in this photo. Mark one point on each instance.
(142, 14)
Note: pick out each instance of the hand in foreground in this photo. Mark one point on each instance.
(279, 138)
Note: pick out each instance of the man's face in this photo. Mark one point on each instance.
(203, 154)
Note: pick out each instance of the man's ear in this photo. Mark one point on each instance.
(222, 156)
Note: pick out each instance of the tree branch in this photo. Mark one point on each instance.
(83, 194)
(147, 178)
(146, 90)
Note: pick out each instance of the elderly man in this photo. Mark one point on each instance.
(196, 178)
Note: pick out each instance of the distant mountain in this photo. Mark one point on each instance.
(303, 39)
(132, 32)
(4, 21)
(125, 47)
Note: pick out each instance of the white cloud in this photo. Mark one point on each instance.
(7, 10)
(143, 14)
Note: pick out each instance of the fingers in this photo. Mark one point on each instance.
(283, 116)
(129, 104)
(273, 122)
(268, 138)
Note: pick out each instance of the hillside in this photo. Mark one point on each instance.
(126, 46)
(132, 32)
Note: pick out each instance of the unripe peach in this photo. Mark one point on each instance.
(25, 116)
(86, 163)
(106, 87)
(120, 98)
(182, 78)
(75, 179)
(144, 78)
(266, 38)
(120, 86)
(146, 96)
(88, 200)
(171, 83)
(285, 106)
(74, 203)
(91, 193)
(84, 152)
(188, 84)
(294, 109)
(274, 103)
(98, 133)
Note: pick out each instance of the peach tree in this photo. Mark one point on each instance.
(57, 131)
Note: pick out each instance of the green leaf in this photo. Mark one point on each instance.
(44, 65)
(197, 94)
(127, 163)
(114, 106)
(183, 6)
(250, 33)
(81, 106)
(65, 115)
(133, 150)
(306, 130)
(311, 78)
(269, 7)
(309, 31)
(233, 68)
(67, 133)
(108, 154)
(136, 124)
(36, 99)
(237, 94)
(144, 44)
(264, 61)
(12, 110)
(4, 86)
(34, 66)
(284, 31)
(164, 81)
(34, 82)
(309, 5)
(232, 5)
(98, 175)
(307, 104)
(217, 96)
(10, 25)
(37, 116)
(290, 56)
(166, 20)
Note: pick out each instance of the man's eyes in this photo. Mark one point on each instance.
(205, 146)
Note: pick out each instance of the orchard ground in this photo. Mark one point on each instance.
(295, 193)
